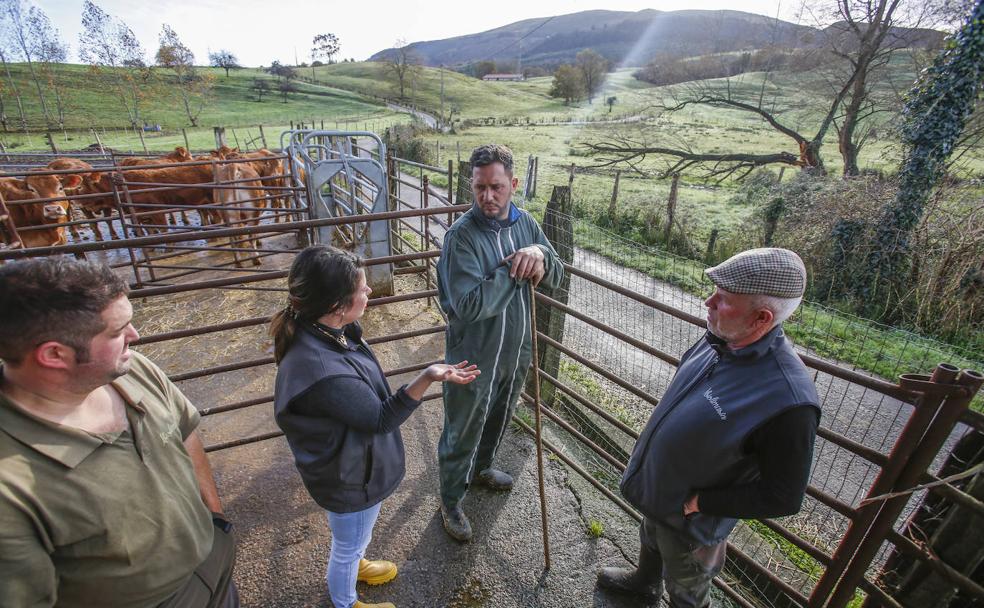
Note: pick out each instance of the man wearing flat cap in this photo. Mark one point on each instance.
(732, 437)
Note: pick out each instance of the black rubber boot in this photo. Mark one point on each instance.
(495, 479)
(646, 581)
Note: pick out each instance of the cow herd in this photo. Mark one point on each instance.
(152, 191)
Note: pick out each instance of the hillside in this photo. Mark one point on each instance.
(629, 38)
(232, 101)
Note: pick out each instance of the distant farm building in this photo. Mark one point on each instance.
(513, 77)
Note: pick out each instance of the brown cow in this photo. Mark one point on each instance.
(246, 194)
(266, 167)
(51, 213)
(191, 174)
(104, 206)
(180, 155)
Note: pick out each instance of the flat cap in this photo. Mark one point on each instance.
(768, 271)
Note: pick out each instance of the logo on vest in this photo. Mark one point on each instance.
(714, 403)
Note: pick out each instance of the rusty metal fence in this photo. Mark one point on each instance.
(134, 213)
(623, 332)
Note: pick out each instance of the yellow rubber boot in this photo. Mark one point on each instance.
(376, 572)
(359, 604)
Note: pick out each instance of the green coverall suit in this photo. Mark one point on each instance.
(489, 325)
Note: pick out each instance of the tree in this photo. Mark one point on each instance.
(403, 65)
(193, 88)
(50, 51)
(286, 87)
(285, 75)
(592, 67)
(864, 40)
(610, 101)
(484, 68)
(112, 50)
(225, 60)
(324, 46)
(260, 86)
(281, 71)
(934, 116)
(567, 84)
(5, 59)
(16, 22)
(859, 50)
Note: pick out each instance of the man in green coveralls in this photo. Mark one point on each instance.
(490, 256)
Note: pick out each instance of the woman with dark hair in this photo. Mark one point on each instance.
(338, 413)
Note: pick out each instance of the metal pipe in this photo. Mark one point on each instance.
(597, 449)
(150, 241)
(609, 330)
(599, 370)
(539, 432)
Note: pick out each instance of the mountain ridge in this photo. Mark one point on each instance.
(627, 38)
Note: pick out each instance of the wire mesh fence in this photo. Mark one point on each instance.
(869, 418)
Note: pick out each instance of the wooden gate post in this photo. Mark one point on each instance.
(614, 201)
(671, 209)
(220, 139)
(559, 230)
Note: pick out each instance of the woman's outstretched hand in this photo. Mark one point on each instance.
(460, 373)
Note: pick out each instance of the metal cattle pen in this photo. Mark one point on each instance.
(867, 522)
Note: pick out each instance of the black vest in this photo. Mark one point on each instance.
(695, 437)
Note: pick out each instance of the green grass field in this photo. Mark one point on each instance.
(232, 104)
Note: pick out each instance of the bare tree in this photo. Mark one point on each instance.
(224, 59)
(16, 22)
(49, 51)
(863, 40)
(10, 79)
(857, 48)
(193, 87)
(403, 65)
(324, 46)
(260, 86)
(112, 50)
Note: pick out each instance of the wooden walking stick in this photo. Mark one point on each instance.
(539, 429)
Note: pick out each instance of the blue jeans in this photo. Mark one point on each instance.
(350, 535)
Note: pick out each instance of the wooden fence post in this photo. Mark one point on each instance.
(570, 178)
(614, 201)
(142, 142)
(185, 135)
(219, 133)
(463, 194)
(263, 137)
(709, 254)
(536, 172)
(559, 230)
(98, 141)
(671, 208)
(51, 142)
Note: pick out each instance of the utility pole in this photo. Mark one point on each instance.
(442, 97)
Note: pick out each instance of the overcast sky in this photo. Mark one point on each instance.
(259, 31)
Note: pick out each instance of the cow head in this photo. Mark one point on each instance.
(53, 186)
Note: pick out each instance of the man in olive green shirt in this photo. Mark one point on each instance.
(106, 495)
